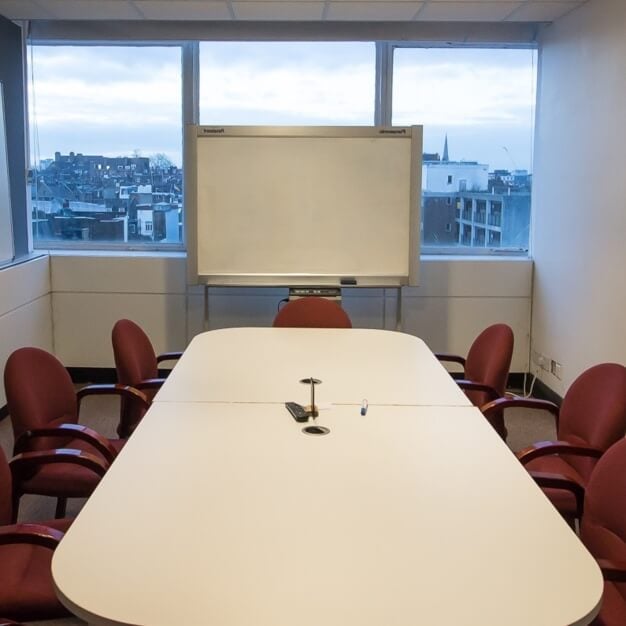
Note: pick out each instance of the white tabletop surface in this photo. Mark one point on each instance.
(265, 365)
(228, 515)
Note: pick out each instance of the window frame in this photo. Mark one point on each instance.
(189, 115)
(387, 49)
(190, 77)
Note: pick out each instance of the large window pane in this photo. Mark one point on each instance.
(477, 109)
(297, 84)
(106, 144)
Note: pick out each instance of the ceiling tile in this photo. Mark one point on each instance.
(262, 10)
(188, 10)
(21, 10)
(90, 9)
(467, 10)
(372, 11)
(544, 11)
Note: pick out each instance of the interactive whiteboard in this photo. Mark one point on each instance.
(289, 206)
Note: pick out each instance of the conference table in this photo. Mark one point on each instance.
(220, 510)
(266, 365)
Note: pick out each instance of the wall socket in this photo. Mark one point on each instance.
(547, 364)
(540, 360)
(556, 369)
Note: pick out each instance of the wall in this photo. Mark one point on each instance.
(457, 300)
(580, 190)
(25, 309)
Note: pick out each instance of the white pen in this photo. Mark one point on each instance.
(364, 407)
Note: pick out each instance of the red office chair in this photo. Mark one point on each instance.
(486, 369)
(26, 589)
(603, 530)
(603, 526)
(592, 417)
(138, 366)
(312, 312)
(44, 412)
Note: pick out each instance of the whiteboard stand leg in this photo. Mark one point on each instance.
(384, 309)
(399, 310)
(206, 308)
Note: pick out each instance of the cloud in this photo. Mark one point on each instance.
(108, 96)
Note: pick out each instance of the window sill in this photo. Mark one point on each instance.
(23, 259)
(174, 254)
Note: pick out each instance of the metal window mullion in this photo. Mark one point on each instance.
(384, 83)
(191, 82)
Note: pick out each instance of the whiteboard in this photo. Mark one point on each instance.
(6, 230)
(288, 206)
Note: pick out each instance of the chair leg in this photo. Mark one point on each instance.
(61, 506)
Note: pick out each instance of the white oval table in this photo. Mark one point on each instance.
(227, 514)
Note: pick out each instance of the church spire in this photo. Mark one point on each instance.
(445, 158)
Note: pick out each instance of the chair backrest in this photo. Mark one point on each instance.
(488, 361)
(594, 411)
(603, 526)
(6, 491)
(135, 360)
(39, 391)
(312, 312)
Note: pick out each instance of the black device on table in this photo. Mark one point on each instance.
(298, 412)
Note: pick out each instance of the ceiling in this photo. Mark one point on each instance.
(293, 10)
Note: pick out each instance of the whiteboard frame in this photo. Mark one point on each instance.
(195, 133)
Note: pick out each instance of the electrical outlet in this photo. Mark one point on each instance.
(556, 369)
(539, 359)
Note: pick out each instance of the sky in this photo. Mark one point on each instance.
(117, 100)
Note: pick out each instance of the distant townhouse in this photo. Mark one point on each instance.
(463, 204)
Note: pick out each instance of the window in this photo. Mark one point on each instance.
(106, 144)
(105, 125)
(476, 106)
(297, 84)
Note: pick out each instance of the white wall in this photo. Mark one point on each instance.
(435, 176)
(579, 195)
(25, 309)
(457, 300)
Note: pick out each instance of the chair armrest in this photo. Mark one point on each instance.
(74, 431)
(34, 534)
(613, 571)
(7, 622)
(150, 383)
(472, 385)
(559, 481)
(452, 358)
(23, 465)
(545, 448)
(501, 404)
(125, 391)
(169, 356)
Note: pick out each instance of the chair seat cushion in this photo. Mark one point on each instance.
(118, 444)
(26, 589)
(65, 479)
(563, 500)
(58, 524)
(613, 611)
(79, 444)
